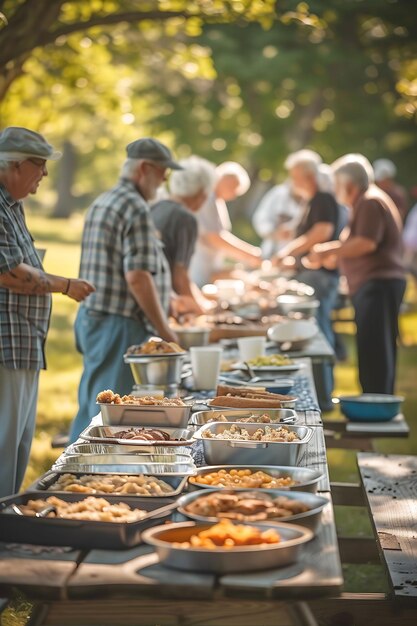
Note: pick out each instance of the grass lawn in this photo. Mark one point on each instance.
(58, 395)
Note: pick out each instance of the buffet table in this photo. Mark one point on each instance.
(131, 587)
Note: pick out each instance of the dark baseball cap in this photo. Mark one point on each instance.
(152, 150)
(21, 143)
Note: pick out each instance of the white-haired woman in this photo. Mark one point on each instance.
(174, 217)
(215, 241)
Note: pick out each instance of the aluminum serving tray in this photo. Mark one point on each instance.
(285, 404)
(225, 560)
(107, 448)
(140, 415)
(305, 478)
(225, 451)
(232, 415)
(122, 463)
(43, 483)
(76, 533)
(309, 519)
(106, 434)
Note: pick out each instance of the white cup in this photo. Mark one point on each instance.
(205, 363)
(251, 347)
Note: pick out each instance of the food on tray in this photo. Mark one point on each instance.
(225, 534)
(272, 360)
(143, 434)
(109, 397)
(239, 433)
(139, 485)
(248, 402)
(250, 419)
(248, 397)
(245, 506)
(91, 509)
(243, 479)
(155, 345)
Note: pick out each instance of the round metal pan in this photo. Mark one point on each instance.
(306, 479)
(225, 560)
(310, 519)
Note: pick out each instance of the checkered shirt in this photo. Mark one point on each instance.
(119, 236)
(24, 319)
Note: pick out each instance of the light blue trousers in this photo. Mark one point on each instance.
(18, 398)
(102, 340)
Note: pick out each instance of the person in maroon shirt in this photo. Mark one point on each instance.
(385, 173)
(370, 253)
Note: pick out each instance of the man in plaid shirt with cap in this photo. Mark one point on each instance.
(124, 258)
(25, 300)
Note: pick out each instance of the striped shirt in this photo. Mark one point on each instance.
(24, 319)
(118, 237)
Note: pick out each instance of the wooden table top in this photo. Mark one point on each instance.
(66, 573)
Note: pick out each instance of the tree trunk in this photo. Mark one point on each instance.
(66, 173)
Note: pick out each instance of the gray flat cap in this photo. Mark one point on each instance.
(21, 143)
(152, 150)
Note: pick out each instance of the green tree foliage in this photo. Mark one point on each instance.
(249, 80)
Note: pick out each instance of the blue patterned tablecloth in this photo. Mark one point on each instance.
(302, 390)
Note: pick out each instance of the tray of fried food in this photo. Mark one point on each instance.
(260, 505)
(80, 520)
(142, 485)
(145, 410)
(155, 346)
(259, 416)
(226, 547)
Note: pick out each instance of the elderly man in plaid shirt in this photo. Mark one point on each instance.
(25, 300)
(124, 258)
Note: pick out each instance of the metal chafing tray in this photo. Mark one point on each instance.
(141, 415)
(309, 519)
(146, 457)
(46, 481)
(232, 415)
(305, 478)
(106, 434)
(122, 463)
(51, 531)
(225, 451)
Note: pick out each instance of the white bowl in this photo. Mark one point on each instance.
(295, 332)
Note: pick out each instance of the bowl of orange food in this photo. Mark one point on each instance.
(225, 547)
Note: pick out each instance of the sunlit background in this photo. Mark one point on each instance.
(244, 80)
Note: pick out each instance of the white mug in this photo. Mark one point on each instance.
(205, 363)
(251, 347)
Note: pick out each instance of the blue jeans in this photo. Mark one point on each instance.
(102, 340)
(325, 285)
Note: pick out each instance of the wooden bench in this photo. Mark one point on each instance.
(390, 485)
(388, 488)
(346, 435)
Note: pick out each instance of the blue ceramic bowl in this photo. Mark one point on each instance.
(370, 407)
(282, 386)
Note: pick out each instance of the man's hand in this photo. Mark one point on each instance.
(285, 263)
(79, 289)
(183, 305)
(312, 261)
(167, 334)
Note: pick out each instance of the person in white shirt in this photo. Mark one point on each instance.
(215, 240)
(277, 217)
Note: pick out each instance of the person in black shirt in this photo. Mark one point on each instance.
(323, 221)
(175, 220)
